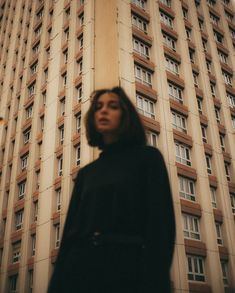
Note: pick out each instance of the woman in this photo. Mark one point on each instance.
(119, 232)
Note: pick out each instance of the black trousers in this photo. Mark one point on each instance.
(103, 268)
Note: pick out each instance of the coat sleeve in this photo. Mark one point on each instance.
(160, 227)
(69, 230)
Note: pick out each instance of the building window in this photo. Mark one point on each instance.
(213, 197)
(78, 122)
(143, 76)
(204, 135)
(233, 121)
(231, 100)
(19, 219)
(139, 23)
(35, 48)
(24, 162)
(152, 138)
(227, 171)
(141, 48)
(33, 243)
(185, 13)
(16, 252)
(208, 164)
(81, 19)
(191, 55)
(217, 115)
(169, 41)
(58, 199)
(166, 19)
(79, 93)
(208, 66)
(31, 89)
(224, 269)
(145, 106)
(29, 112)
(227, 78)
(191, 227)
(223, 57)
(199, 105)
(62, 107)
(57, 235)
(35, 211)
(222, 143)
(214, 19)
(38, 31)
(21, 190)
(13, 284)
(210, 2)
(26, 135)
(232, 198)
(140, 3)
(228, 16)
(201, 24)
(175, 93)
(172, 65)
(66, 34)
(166, 2)
(188, 33)
(179, 122)
(195, 79)
(42, 123)
(78, 155)
(61, 134)
(218, 37)
(182, 154)
(212, 87)
(218, 229)
(186, 188)
(79, 67)
(65, 56)
(60, 166)
(80, 42)
(232, 32)
(204, 45)
(64, 79)
(34, 68)
(195, 268)
(30, 284)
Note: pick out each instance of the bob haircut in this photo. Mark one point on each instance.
(131, 130)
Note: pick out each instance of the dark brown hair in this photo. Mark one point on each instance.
(131, 130)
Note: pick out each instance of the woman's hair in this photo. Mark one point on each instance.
(131, 130)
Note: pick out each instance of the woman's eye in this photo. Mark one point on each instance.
(114, 106)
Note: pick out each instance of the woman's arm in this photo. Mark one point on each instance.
(160, 227)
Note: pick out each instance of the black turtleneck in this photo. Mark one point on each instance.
(125, 191)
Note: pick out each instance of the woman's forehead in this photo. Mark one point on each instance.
(108, 97)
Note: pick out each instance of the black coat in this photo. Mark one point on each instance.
(124, 192)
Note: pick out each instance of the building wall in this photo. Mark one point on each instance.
(40, 68)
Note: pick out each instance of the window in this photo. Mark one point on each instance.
(78, 122)
(191, 226)
(152, 138)
(42, 123)
(195, 78)
(179, 122)
(79, 93)
(145, 106)
(21, 189)
(204, 135)
(219, 233)
(19, 219)
(34, 68)
(139, 23)
(58, 199)
(166, 2)
(201, 24)
(227, 78)
(57, 235)
(208, 65)
(166, 19)
(30, 284)
(214, 19)
(65, 56)
(210, 2)
(188, 33)
(213, 197)
(31, 89)
(26, 135)
(222, 143)
(64, 79)
(191, 55)
(80, 42)
(227, 171)
(172, 65)
(60, 166)
(204, 45)
(218, 37)
(66, 34)
(81, 19)
(223, 57)
(78, 155)
(143, 76)
(169, 41)
(217, 115)
(33, 243)
(40, 14)
(224, 269)
(13, 284)
(175, 93)
(185, 12)
(212, 87)
(35, 48)
(233, 121)
(38, 31)
(79, 66)
(16, 252)
(35, 211)
(195, 268)
(62, 107)
(232, 198)
(199, 105)
(61, 134)
(140, 3)
(24, 161)
(182, 154)
(29, 112)
(228, 16)
(208, 164)
(141, 48)
(186, 188)
(232, 32)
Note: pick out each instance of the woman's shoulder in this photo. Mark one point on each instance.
(149, 151)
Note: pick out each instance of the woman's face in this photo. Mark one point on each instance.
(108, 114)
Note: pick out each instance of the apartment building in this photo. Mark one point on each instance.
(175, 59)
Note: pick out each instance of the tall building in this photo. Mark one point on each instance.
(175, 59)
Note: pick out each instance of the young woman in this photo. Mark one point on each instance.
(120, 229)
